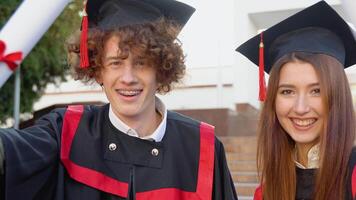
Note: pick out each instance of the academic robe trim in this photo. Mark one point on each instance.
(107, 184)
(205, 173)
(258, 193)
(81, 174)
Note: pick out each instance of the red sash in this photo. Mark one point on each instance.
(107, 184)
(353, 183)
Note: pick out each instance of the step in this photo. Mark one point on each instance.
(240, 156)
(245, 189)
(245, 197)
(240, 144)
(242, 166)
(244, 177)
(249, 149)
(238, 140)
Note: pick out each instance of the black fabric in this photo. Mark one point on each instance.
(2, 186)
(310, 40)
(31, 159)
(319, 16)
(352, 165)
(33, 169)
(306, 181)
(223, 187)
(109, 14)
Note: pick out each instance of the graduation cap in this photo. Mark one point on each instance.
(112, 14)
(316, 29)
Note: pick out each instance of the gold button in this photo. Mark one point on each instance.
(112, 147)
(154, 152)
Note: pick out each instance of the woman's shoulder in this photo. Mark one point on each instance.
(352, 162)
(351, 189)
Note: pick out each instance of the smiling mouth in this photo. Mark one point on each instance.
(304, 122)
(129, 93)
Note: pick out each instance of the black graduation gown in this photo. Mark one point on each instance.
(306, 180)
(35, 167)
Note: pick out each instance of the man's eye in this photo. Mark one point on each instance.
(140, 62)
(116, 63)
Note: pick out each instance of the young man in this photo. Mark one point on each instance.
(131, 148)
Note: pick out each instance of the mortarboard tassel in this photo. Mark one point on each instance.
(84, 59)
(261, 64)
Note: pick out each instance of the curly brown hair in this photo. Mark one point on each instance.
(157, 41)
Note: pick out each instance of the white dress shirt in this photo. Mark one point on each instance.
(313, 158)
(156, 136)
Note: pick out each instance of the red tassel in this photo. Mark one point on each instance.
(261, 64)
(84, 58)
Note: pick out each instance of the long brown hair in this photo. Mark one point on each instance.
(275, 147)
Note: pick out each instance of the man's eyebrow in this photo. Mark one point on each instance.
(111, 58)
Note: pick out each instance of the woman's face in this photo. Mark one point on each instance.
(299, 105)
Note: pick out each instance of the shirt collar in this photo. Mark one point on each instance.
(313, 158)
(156, 136)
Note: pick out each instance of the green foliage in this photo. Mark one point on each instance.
(45, 64)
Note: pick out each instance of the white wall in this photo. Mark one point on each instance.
(209, 41)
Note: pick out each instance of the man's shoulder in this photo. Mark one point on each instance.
(179, 118)
(95, 113)
(91, 109)
(86, 111)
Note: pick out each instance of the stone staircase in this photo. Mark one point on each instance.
(241, 158)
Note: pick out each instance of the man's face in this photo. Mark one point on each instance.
(130, 84)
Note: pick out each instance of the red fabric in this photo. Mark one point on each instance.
(84, 58)
(258, 193)
(81, 174)
(205, 173)
(167, 194)
(353, 182)
(102, 182)
(11, 58)
(206, 161)
(261, 64)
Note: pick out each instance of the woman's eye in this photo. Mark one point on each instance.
(286, 92)
(316, 91)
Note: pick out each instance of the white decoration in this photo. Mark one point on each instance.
(26, 26)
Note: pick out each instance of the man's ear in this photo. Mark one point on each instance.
(158, 86)
(99, 79)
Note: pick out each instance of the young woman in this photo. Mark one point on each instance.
(307, 126)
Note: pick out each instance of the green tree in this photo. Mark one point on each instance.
(45, 64)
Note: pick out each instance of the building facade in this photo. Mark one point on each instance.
(217, 76)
